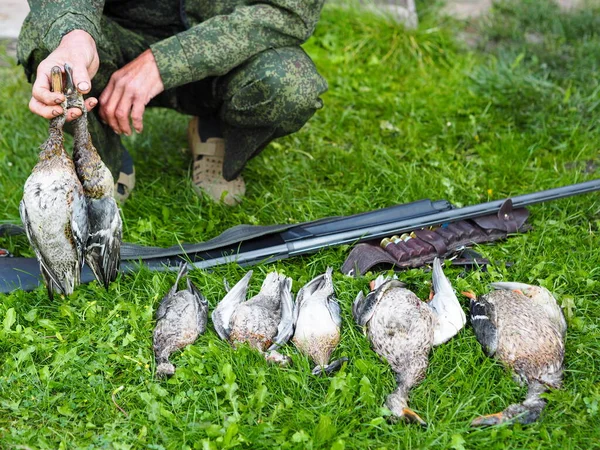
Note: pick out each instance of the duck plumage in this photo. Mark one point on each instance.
(403, 329)
(103, 245)
(53, 209)
(318, 322)
(264, 322)
(523, 327)
(181, 317)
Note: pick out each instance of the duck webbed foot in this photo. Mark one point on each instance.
(397, 404)
(329, 368)
(524, 413)
(489, 420)
(407, 415)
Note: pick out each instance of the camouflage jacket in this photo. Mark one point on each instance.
(200, 38)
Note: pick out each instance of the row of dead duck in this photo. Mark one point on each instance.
(519, 324)
(70, 217)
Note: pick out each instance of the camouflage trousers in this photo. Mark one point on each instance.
(271, 95)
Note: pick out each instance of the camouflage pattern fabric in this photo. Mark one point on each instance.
(237, 61)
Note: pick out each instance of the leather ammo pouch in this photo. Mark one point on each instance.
(422, 246)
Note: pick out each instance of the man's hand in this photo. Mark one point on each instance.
(128, 92)
(78, 49)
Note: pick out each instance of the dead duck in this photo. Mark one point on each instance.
(53, 209)
(523, 327)
(317, 323)
(181, 317)
(103, 245)
(265, 321)
(402, 329)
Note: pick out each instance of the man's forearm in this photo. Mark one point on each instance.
(59, 18)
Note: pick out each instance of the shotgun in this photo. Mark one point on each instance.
(247, 244)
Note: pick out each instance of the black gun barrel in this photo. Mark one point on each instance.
(313, 242)
(293, 240)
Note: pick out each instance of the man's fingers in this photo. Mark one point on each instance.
(105, 100)
(90, 103)
(73, 113)
(137, 114)
(122, 113)
(81, 79)
(48, 112)
(115, 106)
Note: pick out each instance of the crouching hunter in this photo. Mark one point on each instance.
(235, 65)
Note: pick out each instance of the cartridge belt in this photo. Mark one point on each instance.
(420, 247)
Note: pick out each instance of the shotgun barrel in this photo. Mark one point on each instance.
(320, 236)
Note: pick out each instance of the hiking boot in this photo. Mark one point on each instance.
(126, 181)
(208, 168)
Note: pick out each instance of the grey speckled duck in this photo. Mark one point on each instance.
(264, 322)
(53, 209)
(523, 327)
(103, 246)
(402, 329)
(181, 317)
(317, 323)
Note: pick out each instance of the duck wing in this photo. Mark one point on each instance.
(202, 305)
(298, 305)
(285, 329)
(510, 286)
(103, 250)
(52, 282)
(363, 307)
(543, 297)
(332, 304)
(196, 293)
(79, 226)
(334, 310)
(485, 324)
(221, 315)
(449, 314)
(323, 287)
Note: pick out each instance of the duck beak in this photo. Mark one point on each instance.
(74, 97)
(69, 84)
(57, 79)
(489, 420)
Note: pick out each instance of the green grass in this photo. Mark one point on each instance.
(409, 115)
